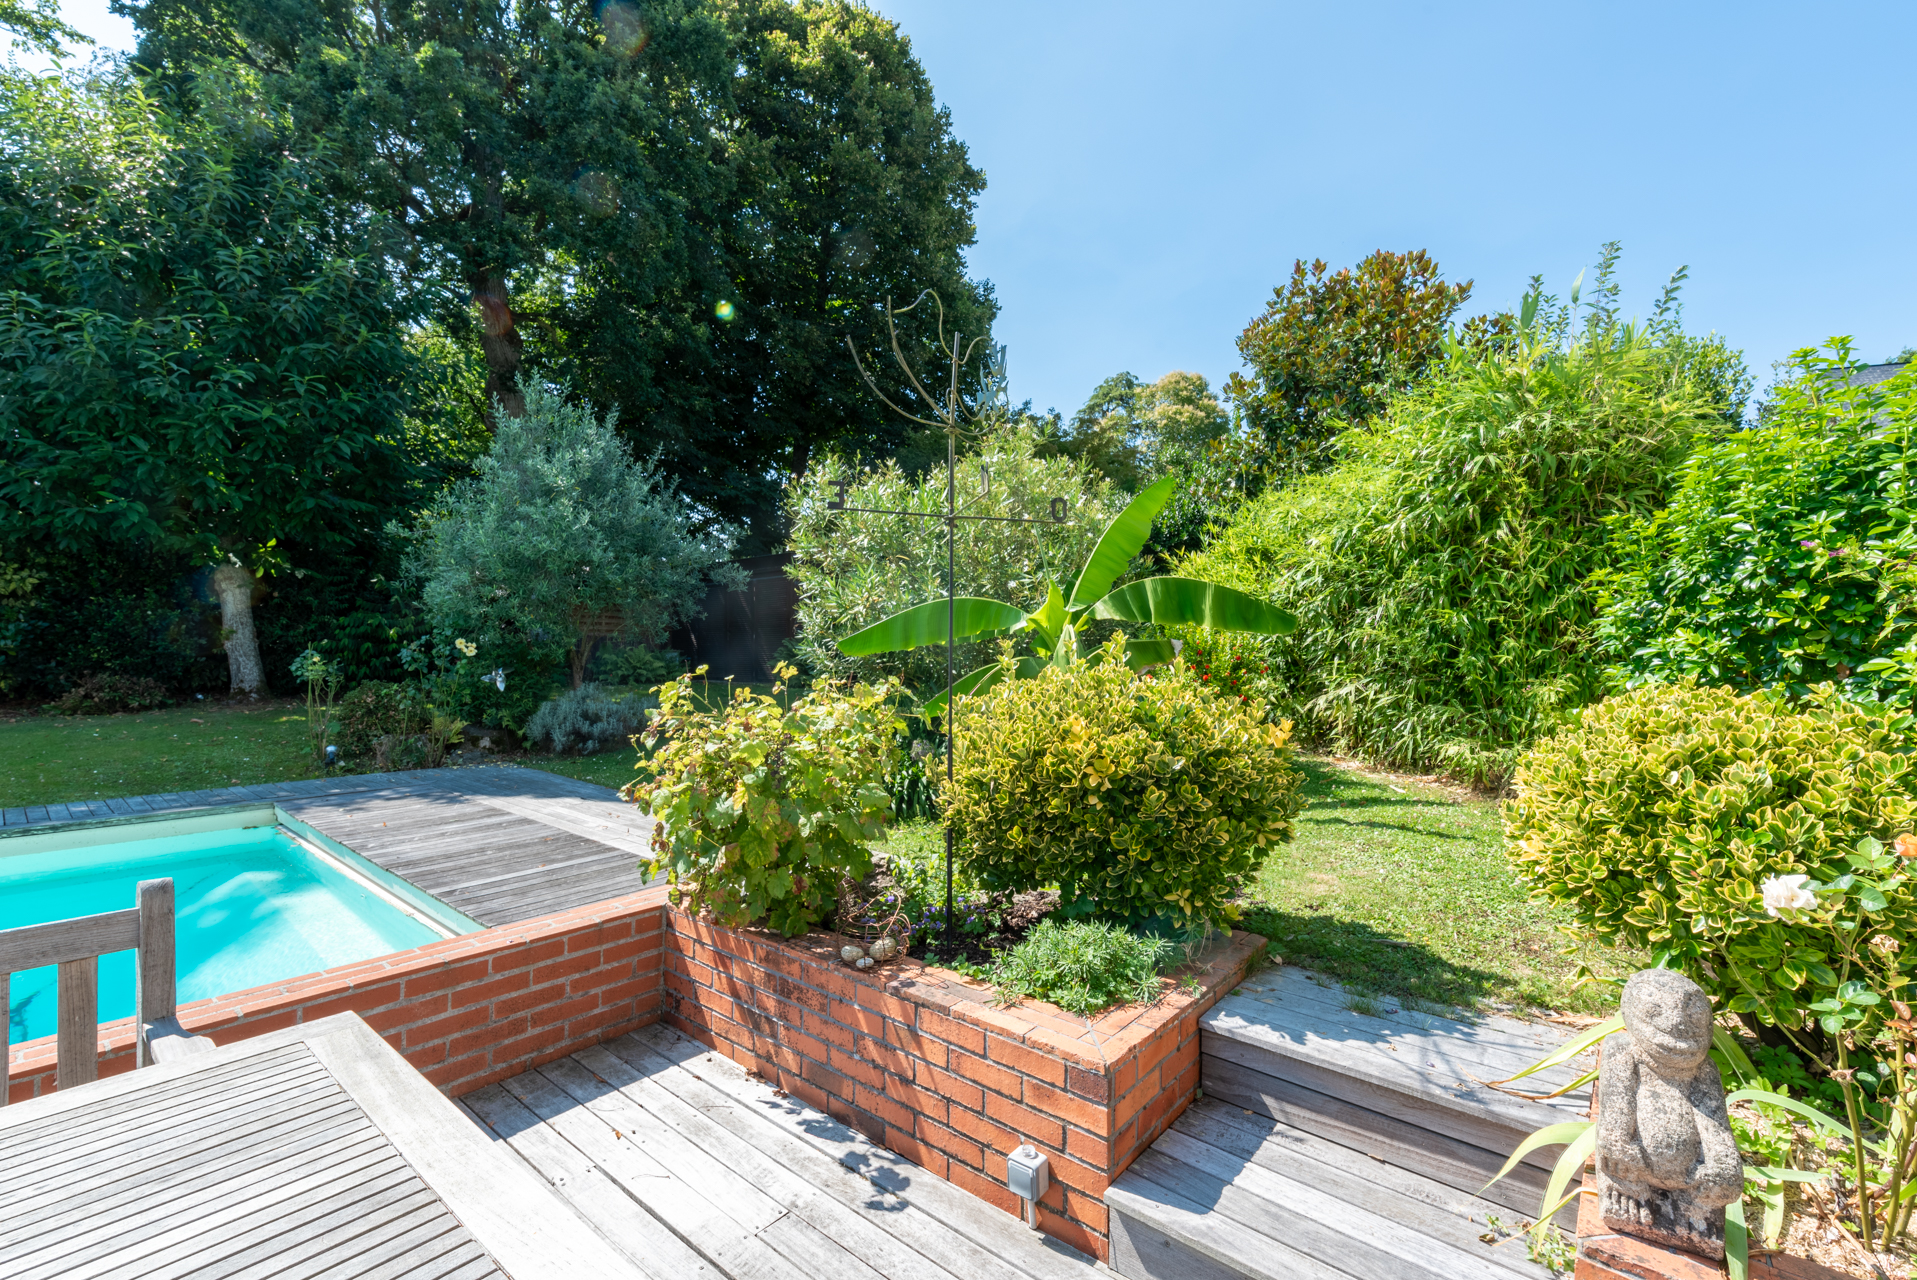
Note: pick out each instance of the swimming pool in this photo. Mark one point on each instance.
(254, 904)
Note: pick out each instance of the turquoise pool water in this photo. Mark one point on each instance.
(253, 905)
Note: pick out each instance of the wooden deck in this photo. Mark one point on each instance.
(1294, 1011)
(691, 1168)
(306, 1153)
(1343, 1138)
(498, 844)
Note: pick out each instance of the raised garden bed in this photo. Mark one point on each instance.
(921, 1061)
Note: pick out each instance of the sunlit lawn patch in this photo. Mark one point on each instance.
(1402, 888)
(52, 759)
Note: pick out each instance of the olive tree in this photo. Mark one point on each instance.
(564, 537)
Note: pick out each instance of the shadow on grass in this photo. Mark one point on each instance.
(1371, 961)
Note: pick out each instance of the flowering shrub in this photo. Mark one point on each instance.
(1237, 666)
(1699, 822)
(1147, 800)
(763, 805)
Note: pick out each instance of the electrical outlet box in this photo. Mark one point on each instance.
(1028, 1171)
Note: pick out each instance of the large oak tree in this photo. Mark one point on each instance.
(681, 208)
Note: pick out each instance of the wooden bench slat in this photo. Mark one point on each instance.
(58, 941)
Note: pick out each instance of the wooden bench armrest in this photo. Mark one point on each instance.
(168, 1041)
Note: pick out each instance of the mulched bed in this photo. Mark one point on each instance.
(1002, 920)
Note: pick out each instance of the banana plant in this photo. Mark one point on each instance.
(1055, 626)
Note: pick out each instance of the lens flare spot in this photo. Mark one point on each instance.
(626, 33)
(723, 309)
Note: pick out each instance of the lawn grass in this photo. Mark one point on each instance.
(1397, 886)
(1401, 887)
(54, 759)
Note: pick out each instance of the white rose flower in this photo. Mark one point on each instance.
(1787, 893)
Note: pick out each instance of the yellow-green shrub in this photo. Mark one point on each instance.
(1145, 799)
(1659, 815)
(763, 805)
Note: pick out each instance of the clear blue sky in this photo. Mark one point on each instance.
(1154, 169)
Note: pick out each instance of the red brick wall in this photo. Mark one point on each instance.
(918, 1061)
(466, 1012)
(915, 1058)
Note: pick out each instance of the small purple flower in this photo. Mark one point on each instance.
(1806, 544)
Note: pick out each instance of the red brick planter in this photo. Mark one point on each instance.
(1605, 1255)
(920, 1061)
(914, 1057)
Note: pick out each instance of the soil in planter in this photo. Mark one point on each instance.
(987, 925)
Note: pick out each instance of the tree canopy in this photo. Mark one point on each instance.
(679, 208)
(1331, 347)
(198, 352)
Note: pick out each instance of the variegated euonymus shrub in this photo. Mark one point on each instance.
(764, 803)
(1697, 820)
(1146, 799)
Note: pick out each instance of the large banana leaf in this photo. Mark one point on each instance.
(1140, 654)
(1120, 544)
(979, 681)
(1047, 621)
(926, 624)
(1187, 600)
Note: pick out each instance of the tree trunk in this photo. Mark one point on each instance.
(234, 584)
(582, 658)
(499, 340)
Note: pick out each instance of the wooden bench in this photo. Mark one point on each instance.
(76, 945)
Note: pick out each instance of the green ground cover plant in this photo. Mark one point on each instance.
(1082, 966)
(54, 759)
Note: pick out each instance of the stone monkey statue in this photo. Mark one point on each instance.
(1667, 1164)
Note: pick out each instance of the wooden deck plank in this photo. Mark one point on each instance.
(1309, 1203)
(627, 1224)
(1520, 1043)
(1448, 1058)
(387, 1220)
(818, 1254)
(43, 1154)
(750, 1206)
(886, 1254)
(200, 1175)
(1451, 1218)
(987, 1227)
(719, 1232)
(1432, 1155)
(1217, 1247)
(950, 1250)
(187, 1225)
(252, 1145)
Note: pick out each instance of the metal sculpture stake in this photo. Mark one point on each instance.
(993, 397)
